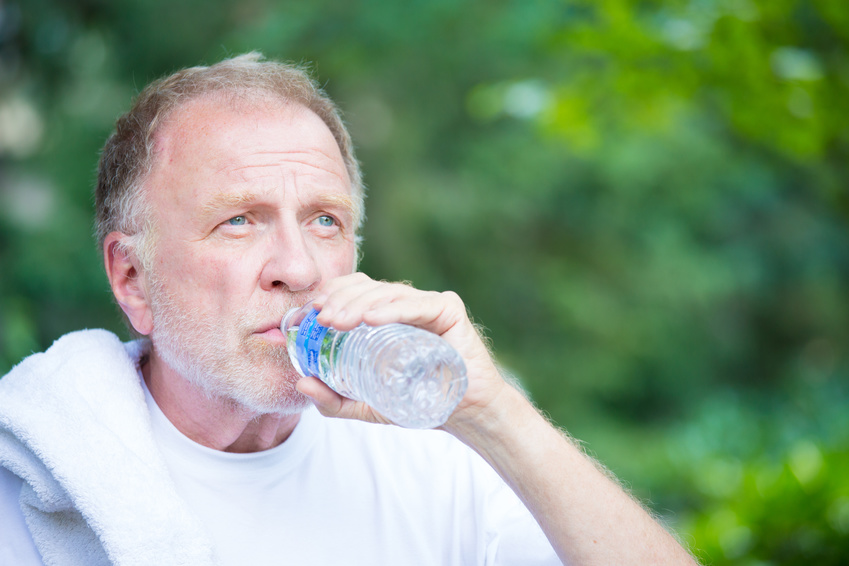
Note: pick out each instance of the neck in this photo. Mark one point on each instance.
(221, 424)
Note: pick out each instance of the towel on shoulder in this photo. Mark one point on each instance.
(75, 428)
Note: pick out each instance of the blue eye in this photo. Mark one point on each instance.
(325, 220)
(237, 221)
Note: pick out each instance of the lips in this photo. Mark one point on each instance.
(270, 326)
(270, 332)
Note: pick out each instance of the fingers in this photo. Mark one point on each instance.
(425, 309)
(347, 301)
(331, 404)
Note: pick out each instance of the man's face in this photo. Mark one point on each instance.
(253, 211)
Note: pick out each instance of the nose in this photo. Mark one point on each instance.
(290, 264)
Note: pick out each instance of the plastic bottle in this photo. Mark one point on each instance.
(410, 376)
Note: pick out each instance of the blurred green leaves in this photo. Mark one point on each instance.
(766, 478)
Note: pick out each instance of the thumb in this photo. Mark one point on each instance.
(328, 402)
(331, 404)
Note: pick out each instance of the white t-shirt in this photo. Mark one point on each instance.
(335, 492)
(345, 492)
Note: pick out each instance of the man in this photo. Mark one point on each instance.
(226, 196)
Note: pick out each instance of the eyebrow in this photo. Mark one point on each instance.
(226, 201)
(344, 202)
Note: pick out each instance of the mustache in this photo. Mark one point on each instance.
(271, 312)
(171, 308)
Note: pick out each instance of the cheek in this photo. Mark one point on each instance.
(210, 278)
(341, 260)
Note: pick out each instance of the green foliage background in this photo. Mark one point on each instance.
(645, 202)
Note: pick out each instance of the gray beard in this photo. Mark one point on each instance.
(254, 375)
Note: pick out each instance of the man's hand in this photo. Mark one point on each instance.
(347, 301)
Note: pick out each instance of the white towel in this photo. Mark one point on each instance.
(75, 427)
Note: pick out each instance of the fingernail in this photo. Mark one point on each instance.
(324, 314)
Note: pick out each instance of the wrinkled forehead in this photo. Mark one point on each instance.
(214, 132)
(192, 121)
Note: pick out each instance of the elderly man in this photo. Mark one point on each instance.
(227, 195)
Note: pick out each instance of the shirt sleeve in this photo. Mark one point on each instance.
(16, 544)
(515, 538)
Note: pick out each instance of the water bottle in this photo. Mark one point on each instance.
(410, 376)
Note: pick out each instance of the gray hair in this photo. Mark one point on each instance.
(127, 156)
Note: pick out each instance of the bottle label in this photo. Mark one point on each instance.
(308, 343)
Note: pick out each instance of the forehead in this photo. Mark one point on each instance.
(224, 129)
(214, 145)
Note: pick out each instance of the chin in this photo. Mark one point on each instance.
(288, 404)
(274, 395)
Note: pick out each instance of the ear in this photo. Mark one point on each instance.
(125, 277)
